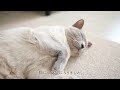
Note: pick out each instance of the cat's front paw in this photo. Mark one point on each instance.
(56, 71)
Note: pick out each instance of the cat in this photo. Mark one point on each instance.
(22, 50)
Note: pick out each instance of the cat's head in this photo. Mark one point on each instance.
(77, 39)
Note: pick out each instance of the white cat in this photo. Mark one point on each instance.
(22, 50)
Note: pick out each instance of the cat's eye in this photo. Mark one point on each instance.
(78, 46)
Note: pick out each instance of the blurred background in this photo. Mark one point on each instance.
(105, 24)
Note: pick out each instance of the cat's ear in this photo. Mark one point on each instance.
(79, 24)
(89, 44)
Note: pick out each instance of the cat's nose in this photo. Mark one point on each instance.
(82, 46)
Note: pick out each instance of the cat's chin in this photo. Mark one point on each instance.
(76, 53)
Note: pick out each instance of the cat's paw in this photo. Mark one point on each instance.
(56, 71)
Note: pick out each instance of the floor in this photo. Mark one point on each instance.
(105, 24)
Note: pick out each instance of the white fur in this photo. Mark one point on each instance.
(22, 50)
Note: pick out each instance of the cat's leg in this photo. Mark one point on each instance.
(43, 71)
(61, 62)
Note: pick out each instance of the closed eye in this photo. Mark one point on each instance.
(76, 44)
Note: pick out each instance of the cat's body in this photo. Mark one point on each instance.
(22, 50)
